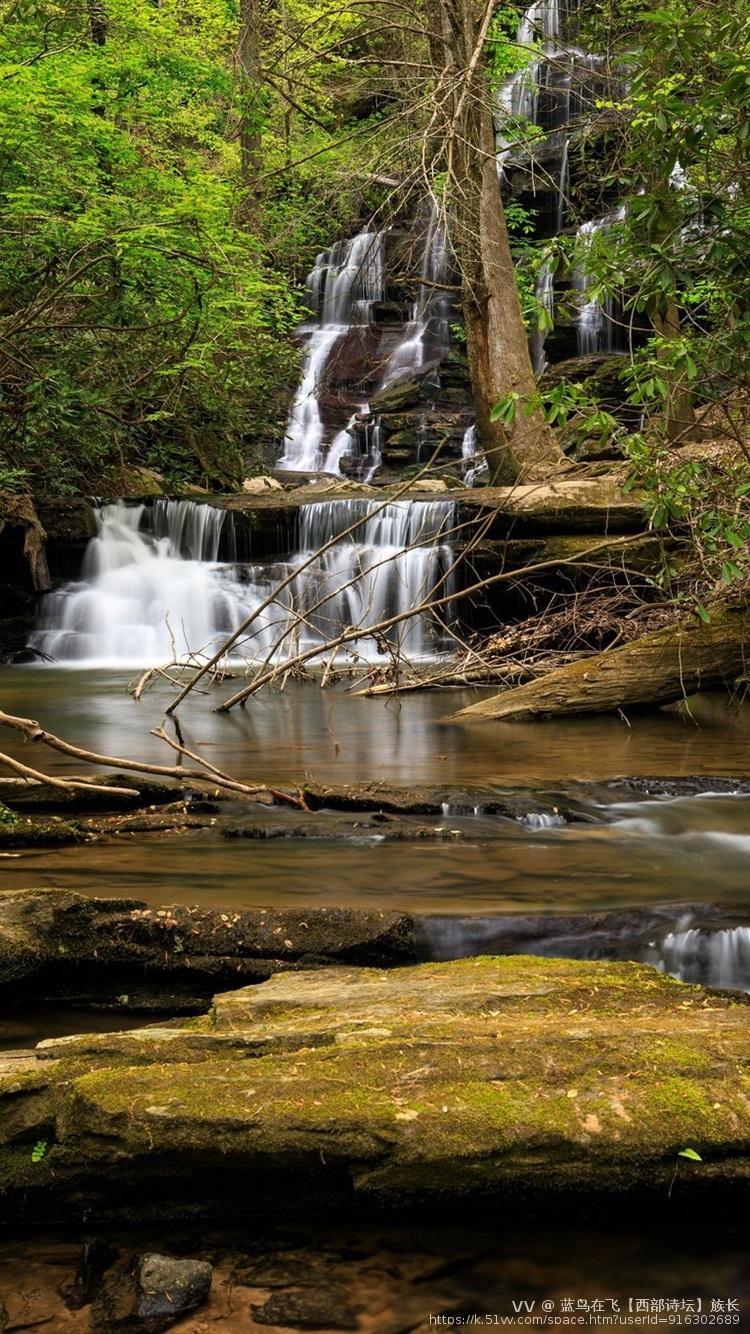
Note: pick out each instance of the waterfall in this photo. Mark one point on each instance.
(563, 185)
(342, 288)
(714, 958)
(344, 283)
(598, 326)
(472, 466)
(545, 295)
(153, 586)
(557, 86)
(428, 325)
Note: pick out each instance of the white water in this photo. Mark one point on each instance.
(598, 328)
(545, 295)
(428, 326)
(715, 958)
(343, 285)
(152, 587)
(474, 463)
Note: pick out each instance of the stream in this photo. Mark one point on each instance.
(687, 848)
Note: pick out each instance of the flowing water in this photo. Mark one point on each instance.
(694, 848)
(343, 289)
(343, 285)
(152, 588)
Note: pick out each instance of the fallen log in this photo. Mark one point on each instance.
(666, 665)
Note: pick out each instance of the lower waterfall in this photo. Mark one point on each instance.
(152, 587)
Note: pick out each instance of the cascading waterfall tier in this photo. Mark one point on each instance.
(343, 285)
(152, 586)
(557, 87)
(428, 326)
(713, 958)
(344, 288)
(599, 323)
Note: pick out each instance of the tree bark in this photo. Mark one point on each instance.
(497, 342)
(659, 668)
(679, 414)
(249, 60)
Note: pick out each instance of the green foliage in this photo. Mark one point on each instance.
(39, 1151)
(564, 405)
(707, 499)
(140, 321)
(691, 1154)
(9, 820)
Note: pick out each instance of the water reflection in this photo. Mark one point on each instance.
(283, 735)
(693, 849)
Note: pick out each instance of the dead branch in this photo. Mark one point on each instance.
(206, 775)
(428, 604)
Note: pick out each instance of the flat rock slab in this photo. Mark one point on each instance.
(482, 1080)
(595, 504)
(48, 933)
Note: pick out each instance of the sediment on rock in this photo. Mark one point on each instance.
(56, 940)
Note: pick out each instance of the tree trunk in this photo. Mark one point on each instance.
(659, 668)
(97, 22)
(497, 341)
(679, 416)
(248, 56)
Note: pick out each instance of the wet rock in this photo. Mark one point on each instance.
(80, 1290)
(442, 800)
(319, 1308)
(275, 1273)
(150, 1295)
(691, 786)
(405, 392)
(60, 934)
(627, 933)
(19, 831)
(44, 797)
(170, 1287)
(70, 525)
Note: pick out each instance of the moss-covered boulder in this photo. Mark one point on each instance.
(20, 831)
(484, 1080)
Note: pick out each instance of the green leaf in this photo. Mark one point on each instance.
(704, 613)
(691, 1154)
(38, 1151)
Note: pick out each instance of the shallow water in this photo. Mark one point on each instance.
(281, 736)
(400, 1278)
(694, 848)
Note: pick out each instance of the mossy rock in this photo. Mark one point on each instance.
(483, 1079)
(18, 831)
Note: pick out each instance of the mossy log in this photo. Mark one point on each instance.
(659, 668)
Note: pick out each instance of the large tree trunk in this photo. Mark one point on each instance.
(497, 341)
(659, 668)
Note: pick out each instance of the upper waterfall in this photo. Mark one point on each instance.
(348, 354)
(341, 287)
(153, 587)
